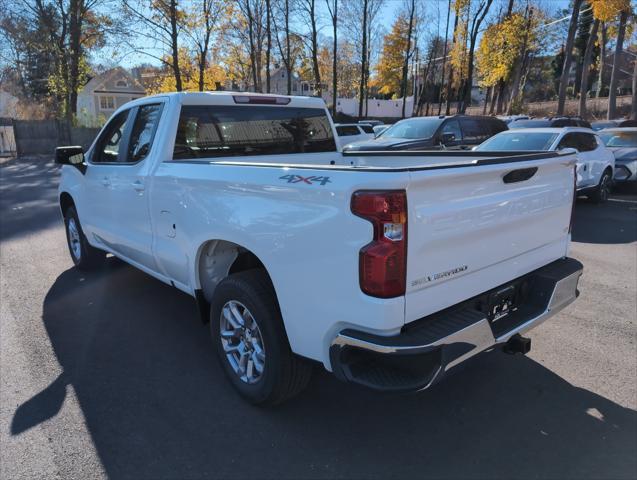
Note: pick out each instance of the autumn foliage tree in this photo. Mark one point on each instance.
(389, 68)
(606, 11)
(213, 76)
(500, 49)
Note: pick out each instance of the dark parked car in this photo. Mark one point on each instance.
(613, 124)
(433, 133)
(550, 122)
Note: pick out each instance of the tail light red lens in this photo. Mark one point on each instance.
(383, 261)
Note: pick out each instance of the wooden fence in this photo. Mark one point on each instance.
(33, 137)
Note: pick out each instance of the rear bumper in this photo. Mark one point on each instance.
(426, 349)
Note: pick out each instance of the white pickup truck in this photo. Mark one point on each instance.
(387, 268)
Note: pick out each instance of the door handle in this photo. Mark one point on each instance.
(519, 175)
(138, 186)
(106, 182)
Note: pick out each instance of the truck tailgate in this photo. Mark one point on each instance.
(469, 230)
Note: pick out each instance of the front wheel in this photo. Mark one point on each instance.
(248, 334)
(602, 191)
(84, 256)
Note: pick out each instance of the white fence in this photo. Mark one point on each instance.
(376, 108)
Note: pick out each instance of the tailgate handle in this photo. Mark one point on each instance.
(519, 175)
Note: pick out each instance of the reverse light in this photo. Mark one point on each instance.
(383, 261)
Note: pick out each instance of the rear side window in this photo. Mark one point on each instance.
(222, 131)
(472, 130)
(495, 126)
(569, 140)
(367, 128)
(587, 142)
(347, 131)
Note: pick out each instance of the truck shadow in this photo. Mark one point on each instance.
(157, 405)
(612, 222)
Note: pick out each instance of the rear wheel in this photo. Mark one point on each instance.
(602, 191)
(84, 256)
(248, 334)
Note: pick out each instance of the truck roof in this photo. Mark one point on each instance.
(228, 98)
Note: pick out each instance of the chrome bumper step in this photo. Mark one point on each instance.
(427, 348)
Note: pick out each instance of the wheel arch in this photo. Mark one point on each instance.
(216, 259)
(66, 201)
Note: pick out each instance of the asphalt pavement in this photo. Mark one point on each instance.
(111, 374)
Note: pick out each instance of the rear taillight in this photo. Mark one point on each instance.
(570, 223)
(383, 261)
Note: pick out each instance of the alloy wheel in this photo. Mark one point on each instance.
(242, 342)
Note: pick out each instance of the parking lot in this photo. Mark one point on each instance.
(111, 374)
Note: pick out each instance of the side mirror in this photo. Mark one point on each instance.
(447, 138)
(73, 156)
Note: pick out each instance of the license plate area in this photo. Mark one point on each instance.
(505, 300)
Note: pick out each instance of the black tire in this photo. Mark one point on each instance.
(284, 374)
(84, 256)
(601, 192)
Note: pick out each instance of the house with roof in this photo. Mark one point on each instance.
(106, 92)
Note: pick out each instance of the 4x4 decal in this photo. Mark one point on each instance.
(309, 180)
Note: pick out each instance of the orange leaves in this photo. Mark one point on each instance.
(607, 10)
(389, 68)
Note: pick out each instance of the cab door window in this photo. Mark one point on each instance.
(109, 147)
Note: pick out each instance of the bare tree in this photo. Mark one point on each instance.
(478, 18)
(614, 76)
(285, 50)
(444, 58)
(207, 14)
(268, 47)
(633, 111)
(450, 79)
(411, 13)
(586, 63)
(568, 57)
(309, 10)
(332, 8)
(162, 21)
(249, 11)
(362, 91)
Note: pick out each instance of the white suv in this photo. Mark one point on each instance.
(353, 132)
(595, 162)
